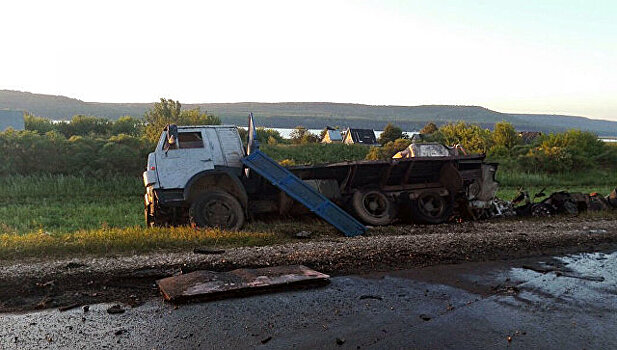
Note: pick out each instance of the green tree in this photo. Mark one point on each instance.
(127, 125)
(472, 137)
(170, 112)
(505, 135)
(86, 125)
(37, 124)
(429, 128)
(270, 136)
(301, 135)
(391, 133)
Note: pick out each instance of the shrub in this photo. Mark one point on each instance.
(301, 135)
(472, 137)
(388, 150)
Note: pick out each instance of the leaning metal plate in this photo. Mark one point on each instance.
(206, 285)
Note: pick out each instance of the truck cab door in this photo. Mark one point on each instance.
(178, 162)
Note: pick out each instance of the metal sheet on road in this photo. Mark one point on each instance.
(215, 285)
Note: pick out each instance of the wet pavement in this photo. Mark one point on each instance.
(565, 302)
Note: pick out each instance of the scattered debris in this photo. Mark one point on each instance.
(74, 265)
(68, 307)
(46, 284)
(44, 303)
(116, 309)
(562, 202)
(366, 296)
(210, 284)
(265, 340)
(208, 250)
(303, 234)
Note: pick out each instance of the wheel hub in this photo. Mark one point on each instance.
(431, 205)
(375, 204)
(218, 213)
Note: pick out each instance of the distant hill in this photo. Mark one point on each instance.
(311, 114)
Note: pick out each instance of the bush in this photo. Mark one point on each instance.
(301, 135)
(27, 152)
(569, 151)
(315, 153)
(472, 137)
(388, 150)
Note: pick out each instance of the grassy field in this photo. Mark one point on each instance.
(60, 215)
(510, 182)
(63, 204)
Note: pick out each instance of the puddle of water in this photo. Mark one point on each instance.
(587, 281)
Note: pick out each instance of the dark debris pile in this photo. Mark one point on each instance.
(563, 202)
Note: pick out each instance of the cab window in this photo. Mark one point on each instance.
(190, 140)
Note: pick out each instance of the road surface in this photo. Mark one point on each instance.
(567, 302)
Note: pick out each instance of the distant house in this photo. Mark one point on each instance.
(332, 136)
(11, 119)
(529, 136)
(360, 136)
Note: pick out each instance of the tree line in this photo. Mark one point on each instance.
(96, 146)
(572, 150)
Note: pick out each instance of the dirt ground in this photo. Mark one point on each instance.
(43, 283)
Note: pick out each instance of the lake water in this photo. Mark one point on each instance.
(285, 133)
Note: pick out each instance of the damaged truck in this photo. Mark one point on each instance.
(204, 176)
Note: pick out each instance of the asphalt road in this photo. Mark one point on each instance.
(550, 303)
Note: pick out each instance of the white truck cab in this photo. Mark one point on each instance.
(191, 157)
(195, 149)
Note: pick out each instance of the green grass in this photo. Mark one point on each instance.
(107, 240)
(68, 215)
(63, 204)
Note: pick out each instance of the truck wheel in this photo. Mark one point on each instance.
(431, 208)
(216, 209)
(373, 207)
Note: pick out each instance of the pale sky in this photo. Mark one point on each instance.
(551, 56)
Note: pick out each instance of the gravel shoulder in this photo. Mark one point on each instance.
(44, 283)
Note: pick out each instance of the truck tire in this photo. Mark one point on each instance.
(216, 209)
(374, 207)
(431, 208)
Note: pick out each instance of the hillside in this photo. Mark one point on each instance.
(311, 114)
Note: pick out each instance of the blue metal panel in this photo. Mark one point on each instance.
(303, 193)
